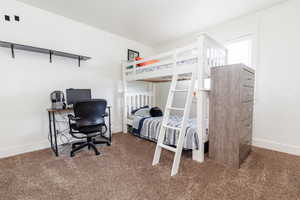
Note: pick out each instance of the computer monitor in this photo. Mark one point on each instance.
(78, 95)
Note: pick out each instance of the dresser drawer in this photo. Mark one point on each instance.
(245, 129)
(244, 150)
(246, 110)
(248, 79)
(245, 145)
(247, 94)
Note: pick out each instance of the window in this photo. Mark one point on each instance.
(240, 51)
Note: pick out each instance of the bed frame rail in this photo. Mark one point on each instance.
(137, 100)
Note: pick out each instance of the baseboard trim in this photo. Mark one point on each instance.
(12, 151)
(275, 146)
(116, 130)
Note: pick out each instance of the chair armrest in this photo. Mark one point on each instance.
(72, 117)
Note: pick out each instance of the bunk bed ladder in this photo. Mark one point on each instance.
(182, 128)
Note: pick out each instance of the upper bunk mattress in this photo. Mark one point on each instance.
(158, 66)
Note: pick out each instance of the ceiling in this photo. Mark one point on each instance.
(152, 22)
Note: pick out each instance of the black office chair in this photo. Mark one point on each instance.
(88, 123)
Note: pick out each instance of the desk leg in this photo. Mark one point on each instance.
(109, 124)
(50, 130)
(55, 134)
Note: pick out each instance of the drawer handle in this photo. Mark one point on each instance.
(248, 125)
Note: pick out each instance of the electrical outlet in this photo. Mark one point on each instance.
(17, 18)
(7, 17)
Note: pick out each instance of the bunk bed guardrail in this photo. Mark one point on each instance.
(214, 54)
(138, 100)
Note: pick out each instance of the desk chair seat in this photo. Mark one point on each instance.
(88, 129)
(88, 123)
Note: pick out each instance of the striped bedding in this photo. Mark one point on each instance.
(151, 127)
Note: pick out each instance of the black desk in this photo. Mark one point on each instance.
(53, 130)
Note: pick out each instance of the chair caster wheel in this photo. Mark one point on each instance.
(109, 144)
(98, 153)
(72, 154)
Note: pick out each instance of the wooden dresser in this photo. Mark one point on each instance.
(231, 114)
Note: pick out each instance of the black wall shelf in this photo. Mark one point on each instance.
(51, 52)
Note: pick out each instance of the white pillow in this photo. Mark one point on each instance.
(144, 112)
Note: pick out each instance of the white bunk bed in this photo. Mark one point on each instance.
(202, 55)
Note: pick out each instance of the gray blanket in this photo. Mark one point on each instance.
(151, 127)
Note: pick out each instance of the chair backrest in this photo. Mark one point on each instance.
(90, 112)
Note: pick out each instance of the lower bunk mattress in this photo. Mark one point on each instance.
(149, 128)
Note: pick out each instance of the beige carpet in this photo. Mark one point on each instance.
(124, 171)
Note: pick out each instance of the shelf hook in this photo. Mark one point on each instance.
(12, 51)
(79, 60)
(50, 54)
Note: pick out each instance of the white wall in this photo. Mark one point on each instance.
(276, 50)
(27, 80)
(278, 95)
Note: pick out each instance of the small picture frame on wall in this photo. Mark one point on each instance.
(131, 55)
